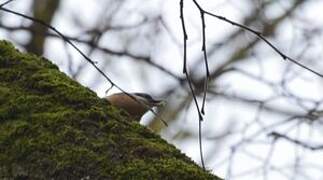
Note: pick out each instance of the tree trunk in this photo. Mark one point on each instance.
(52, 127)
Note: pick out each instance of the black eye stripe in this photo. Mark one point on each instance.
(144, 95)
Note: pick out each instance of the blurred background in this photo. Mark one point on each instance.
(263, 114)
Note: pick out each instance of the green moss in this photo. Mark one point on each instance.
(170, 168)
(52, 127)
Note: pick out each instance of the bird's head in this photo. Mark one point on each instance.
(135, 104)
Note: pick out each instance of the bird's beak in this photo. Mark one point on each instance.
(159, 103)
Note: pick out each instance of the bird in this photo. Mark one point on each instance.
(135, 104)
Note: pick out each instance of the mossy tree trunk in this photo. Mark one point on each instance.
(52, 127)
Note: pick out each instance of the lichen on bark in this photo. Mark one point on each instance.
(53, 127)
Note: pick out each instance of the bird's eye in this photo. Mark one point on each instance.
(146, 96)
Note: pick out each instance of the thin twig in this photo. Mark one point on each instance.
(190, 83)
(201, 144)
(207, 76)
(89, 60)
(5, 3)
(259, 35)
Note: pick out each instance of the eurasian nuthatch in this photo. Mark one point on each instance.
(135, 104)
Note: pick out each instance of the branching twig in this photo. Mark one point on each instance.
(5, 3)
(259, 35)
(241, 26)
(89, 60)
(205, 56)
(295, 141)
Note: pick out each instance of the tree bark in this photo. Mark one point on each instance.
(52, 127)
